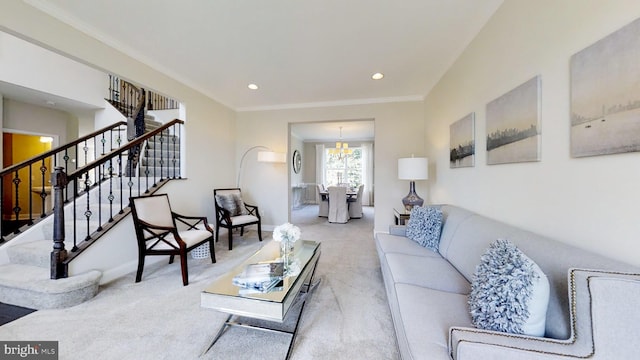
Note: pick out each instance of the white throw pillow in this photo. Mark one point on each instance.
(509, 292)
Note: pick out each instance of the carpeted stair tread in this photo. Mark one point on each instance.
(31, 287)
(34, 253)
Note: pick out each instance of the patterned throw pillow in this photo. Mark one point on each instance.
(228, 202)
(241, 210)
(232, 203)
(509, 292)
(425, 224)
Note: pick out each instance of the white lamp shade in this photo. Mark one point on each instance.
(271, 157)
(413, 168)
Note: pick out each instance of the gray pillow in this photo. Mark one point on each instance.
(509, 292)
(232, 203)
(425, 225)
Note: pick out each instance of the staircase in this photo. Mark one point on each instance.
(160, 157)
(95, 195)
(101, 202)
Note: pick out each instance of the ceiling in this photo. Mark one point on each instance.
(299, 53)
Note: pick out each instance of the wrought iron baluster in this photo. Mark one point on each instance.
(162, 155)
(87, 212)
(110, 197)
(99, 201)
(29, 187)
(16, 207)
(130, 173)
(43, 193)
(75, 215)
(121, 176)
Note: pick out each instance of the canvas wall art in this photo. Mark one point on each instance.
(605, 95)
(462, 142)
(513, 125)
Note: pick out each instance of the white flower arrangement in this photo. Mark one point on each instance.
(287, 232)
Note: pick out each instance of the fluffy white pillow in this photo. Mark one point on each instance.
(509, 292)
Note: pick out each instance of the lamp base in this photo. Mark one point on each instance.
(412, 199)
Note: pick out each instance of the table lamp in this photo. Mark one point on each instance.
(412, 169)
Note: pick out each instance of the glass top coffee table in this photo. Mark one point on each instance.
(274, 305)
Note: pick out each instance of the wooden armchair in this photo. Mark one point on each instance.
(157, 232)
(232, 213)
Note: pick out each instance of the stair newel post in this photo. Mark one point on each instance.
(59, 182)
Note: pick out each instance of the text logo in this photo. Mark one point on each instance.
(29, 350)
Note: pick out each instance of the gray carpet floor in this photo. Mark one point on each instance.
(345, 317)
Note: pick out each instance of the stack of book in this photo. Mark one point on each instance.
(260, 277)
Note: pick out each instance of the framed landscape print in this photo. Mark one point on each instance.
(605, 95)
(462, 143)
(513, 125)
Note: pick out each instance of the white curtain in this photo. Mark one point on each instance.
(367, 174)
(319, 166)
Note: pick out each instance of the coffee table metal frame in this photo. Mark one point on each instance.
(273, 306)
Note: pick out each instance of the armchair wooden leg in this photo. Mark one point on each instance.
(242, 231)
(212, 251)
(217, 233)
(230, 239)
(259, 232)
(170, 259)
(140, 267)
(183, 265)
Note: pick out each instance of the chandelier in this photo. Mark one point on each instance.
(341, 149)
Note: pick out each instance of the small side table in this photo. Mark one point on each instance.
(401, 216)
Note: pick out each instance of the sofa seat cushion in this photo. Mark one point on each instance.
(402, 245)
(430, 272)
(427, 315)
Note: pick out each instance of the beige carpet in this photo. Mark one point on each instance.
(346, 316)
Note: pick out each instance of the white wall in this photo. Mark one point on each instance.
(399, 133)
(36, 120)
(589, 202)
(33, 67)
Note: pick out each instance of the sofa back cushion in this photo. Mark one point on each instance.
(467, 235)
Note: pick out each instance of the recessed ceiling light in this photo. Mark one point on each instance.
(253, 86)
(377, 76)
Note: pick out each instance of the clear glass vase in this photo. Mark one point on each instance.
(286, 253)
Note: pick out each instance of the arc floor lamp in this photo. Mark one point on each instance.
(267, 156)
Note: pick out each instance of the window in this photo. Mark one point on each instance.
(343, 168)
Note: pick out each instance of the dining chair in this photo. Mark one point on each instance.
(157, 232)
(323, 201)
(355, 204)
(338, 208)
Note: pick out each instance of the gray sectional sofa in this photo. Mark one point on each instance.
(592, 311)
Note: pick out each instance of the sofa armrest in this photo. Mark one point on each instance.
(470, 343)
(399, 230)
(604, 323)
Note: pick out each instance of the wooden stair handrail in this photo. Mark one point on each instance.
(54, 151)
